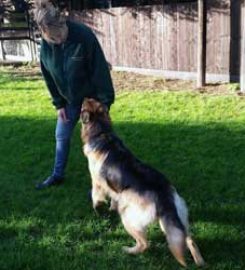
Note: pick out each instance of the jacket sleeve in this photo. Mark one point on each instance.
(100, 74)
(57, 100)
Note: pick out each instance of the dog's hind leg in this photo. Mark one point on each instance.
(192, 246)
(140, 238)
(113, 205)
(136, 230)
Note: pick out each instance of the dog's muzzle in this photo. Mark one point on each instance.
(85, 116)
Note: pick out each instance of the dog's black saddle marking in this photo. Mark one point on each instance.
(122, 170)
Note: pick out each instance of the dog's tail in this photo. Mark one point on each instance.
(174, 222)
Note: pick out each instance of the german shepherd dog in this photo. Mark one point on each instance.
(139, 193)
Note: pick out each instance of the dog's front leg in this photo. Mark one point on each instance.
(113, 205)
(98, 195)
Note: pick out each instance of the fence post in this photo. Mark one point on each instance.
(201, 51)
(2, 52)
(242, 72)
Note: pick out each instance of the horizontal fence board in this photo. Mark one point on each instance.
(15, 38)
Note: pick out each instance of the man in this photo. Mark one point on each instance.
(74, 67)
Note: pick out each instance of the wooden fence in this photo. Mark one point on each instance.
(17, 36)
(162, 39)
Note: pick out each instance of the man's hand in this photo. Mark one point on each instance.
(62, 115)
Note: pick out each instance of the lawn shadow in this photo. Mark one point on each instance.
(204, 162)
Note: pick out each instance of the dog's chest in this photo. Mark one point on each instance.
(95, 160)
(94, 166)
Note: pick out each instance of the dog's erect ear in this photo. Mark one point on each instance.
(85, 117)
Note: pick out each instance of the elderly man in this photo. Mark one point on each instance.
(74, 67)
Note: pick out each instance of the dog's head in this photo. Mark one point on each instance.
(93, 110)
(94, 117)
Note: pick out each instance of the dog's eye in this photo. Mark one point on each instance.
(85, 116)
(102, 109)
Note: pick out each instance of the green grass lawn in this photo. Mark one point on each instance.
(197, 140)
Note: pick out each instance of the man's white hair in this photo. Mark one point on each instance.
(45, 13)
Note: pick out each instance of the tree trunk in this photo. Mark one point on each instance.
(201, 54)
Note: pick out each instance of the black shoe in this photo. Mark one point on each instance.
(50, 181)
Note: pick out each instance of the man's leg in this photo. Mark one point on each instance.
(63, 135)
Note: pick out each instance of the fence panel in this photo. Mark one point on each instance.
(187, 37)
(164, 37)
(156, 37)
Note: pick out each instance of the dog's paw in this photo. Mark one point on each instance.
(129, 250)
(111, 209)
(113, 206)
(133, 250)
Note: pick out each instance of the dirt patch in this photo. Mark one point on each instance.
(136, 82)
(129, 81)
(27, 72)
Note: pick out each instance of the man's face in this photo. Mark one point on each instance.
(55, 33)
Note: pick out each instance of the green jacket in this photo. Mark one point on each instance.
(76, 69)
